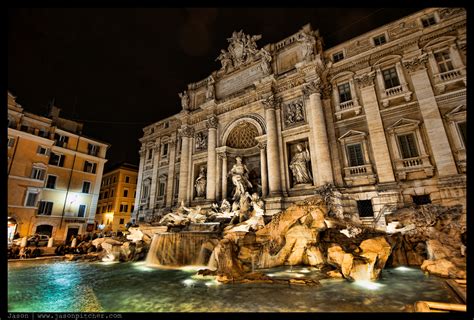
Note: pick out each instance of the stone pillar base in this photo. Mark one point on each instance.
(273, 205)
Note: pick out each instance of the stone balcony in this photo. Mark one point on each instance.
(359, 175)
(396, 93)
(348, 107)
(444, 79)
(414, 168)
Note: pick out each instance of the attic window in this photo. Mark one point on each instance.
(428, 21)
(338, 56)
(379, 40)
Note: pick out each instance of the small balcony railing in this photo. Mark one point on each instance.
(450, 75)
(358, 170)
(346, 105)
(394, 91)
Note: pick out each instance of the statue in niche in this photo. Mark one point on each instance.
(299, 112)
(294, 112)
(240, 179)
(200, 183)
(201, 141)
(210, 92)
(308, 43)
(184, 100)
(299, 165)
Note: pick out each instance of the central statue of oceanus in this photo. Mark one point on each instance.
(240, 179)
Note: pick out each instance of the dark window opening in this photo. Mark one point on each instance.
(390, 78)
(122, 221)
(428, 21)
(344, 92)
(379, 40)
(421, 199)
(365, 208)
(51, 182)
(82, 210)
(408, 146)
(462, 130)
(354, 152)
(338, 56)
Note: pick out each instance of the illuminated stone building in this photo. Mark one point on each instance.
(54, 174)
(117, 197)
(382, 117)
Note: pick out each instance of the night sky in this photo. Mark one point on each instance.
(118, 70)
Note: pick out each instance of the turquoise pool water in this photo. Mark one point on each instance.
(132, 287)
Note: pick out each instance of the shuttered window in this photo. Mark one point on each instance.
(354, 153)
(408, 147)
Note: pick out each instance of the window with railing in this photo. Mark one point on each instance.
(390, 78)
(355, 155)
(443, 60)
(344, 92)
(407, 144)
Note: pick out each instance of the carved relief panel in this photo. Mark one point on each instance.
(294, 113)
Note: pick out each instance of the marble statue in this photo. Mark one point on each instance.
(240, 178)
(210, 91)
(200, 183)
(184, 100)
(299, 165)
(225, 60)
(201, 141)
(309, 43)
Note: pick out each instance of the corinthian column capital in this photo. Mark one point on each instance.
(366, 79)
(416, 63)
(212, 122)
(312, 87)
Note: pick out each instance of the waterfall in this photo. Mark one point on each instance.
(180, 249)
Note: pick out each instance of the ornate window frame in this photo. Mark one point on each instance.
(362, 174)
(442, 79)
(453, 118)
(346, 107)
(404, 166)
(394, 93)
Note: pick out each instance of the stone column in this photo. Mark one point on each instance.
(353, 92)
(263, 167)
(273, 156)
(154, 175)
(186, 134)
(171, 170)
(211, 124)
(378, 141)
(219, 177)
(138, 195)
(224, 175)
(433, 123)
(401, 75)
(317, 126)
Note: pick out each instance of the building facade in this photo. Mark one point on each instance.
(382, 117)
(54, 174)
(117, 197)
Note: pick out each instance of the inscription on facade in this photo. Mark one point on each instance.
(238, 81)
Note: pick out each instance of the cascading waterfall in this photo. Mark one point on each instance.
(180, 249)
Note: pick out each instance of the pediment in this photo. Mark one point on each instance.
(404, 122)
(440, 41)
(342, 75)
(351, 134)
(459, 109)
(388, 59)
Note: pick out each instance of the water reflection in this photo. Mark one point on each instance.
(133, 287)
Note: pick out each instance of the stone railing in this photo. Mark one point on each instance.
(449, 75)
(422, 163)
(393, 91)
(358, 170)
(346, 105)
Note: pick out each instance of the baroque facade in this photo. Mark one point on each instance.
(116, 197)
(54, 174)
(382, 117)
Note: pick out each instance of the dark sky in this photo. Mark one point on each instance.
(118, 70)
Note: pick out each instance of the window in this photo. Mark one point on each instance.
(56, 159)
(161, 191)
(408, 147)
(443, 60)
(150, 154)
(379, 40)
(134, 193)
(365, 208)
(125, 192)
(133, 208)
(42, 150)
(90, 166)
(31, 197)
(344, 92)
(86, 186)
(82, 210)
(146, 189)
(45, 208)
(428, 21)
(51, 182)
(24, 128)
(11, 142)
(166, 125)
(124, 208)
(106, 194)
(354, 153)
(165, 150)
(141, 219)
(11, 123)
(462, 131)
(113, 179)
(338, 56)
(43, 133)
(390, 78)
(98, 210)
(92, 149)
(122, 221)
(37, 173)
(61, 141)
(127, 179)
(112, 192)
(421, 199)
(109, 207)
(104, 209)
